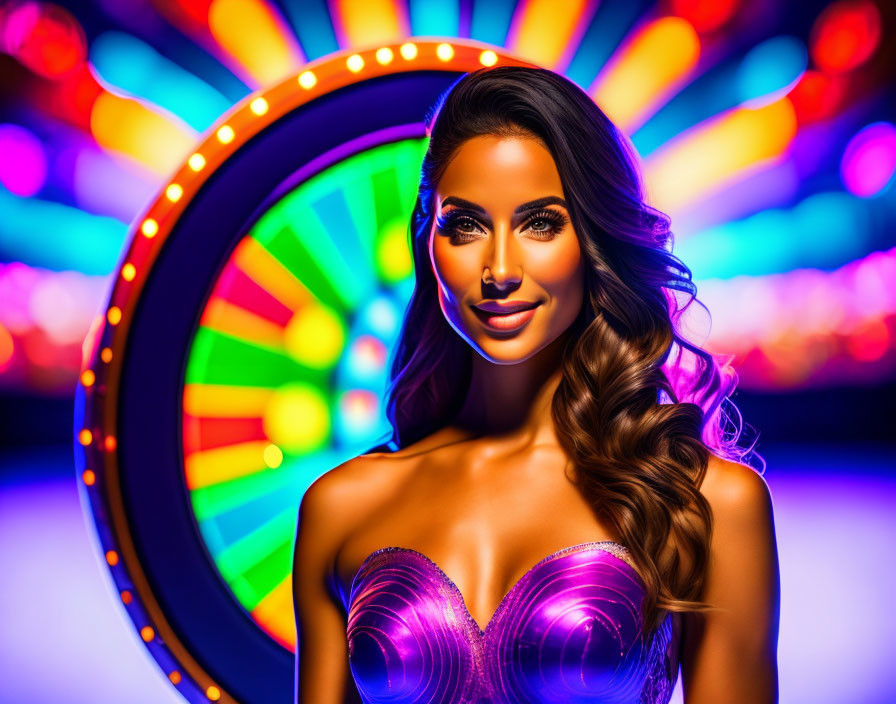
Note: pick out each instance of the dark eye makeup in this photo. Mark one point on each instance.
(458, 225)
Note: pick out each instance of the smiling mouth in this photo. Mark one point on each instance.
(505, 322)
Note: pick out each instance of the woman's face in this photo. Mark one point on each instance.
(501, 242)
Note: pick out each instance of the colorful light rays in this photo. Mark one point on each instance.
(835, 324)
(547, 33)
(257, 38)
(770, 70)
(125, 63)
(55, 236)
(359, 23)
(132, 128)
(143, 121)
(646, 70)
(819, 231)
(718, 152)
(98, 182)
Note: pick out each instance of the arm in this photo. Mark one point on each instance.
(322, 674)
(730, 655)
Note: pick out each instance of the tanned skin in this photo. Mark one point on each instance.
(492, 494)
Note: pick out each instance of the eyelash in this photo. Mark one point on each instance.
(556, 222)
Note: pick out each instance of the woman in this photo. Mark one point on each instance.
(568, 516)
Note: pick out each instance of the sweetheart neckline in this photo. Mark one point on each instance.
(602, 545)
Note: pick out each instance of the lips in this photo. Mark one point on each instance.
(508, 317)
(503, 308)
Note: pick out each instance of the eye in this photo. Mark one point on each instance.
(458, 227)
(547, 223)
(462, 223)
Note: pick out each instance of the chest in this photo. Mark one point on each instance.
(484, 531)
(568, 630)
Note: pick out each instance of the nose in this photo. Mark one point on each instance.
(502, 268)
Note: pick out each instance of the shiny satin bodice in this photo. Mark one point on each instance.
(567, 631)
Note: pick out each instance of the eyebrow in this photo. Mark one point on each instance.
(524, 208)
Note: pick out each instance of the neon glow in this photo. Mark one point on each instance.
(845, 35)
(127, 64)
(869, 160)
(770, 70)
(23, 169)
(646, 71)
(257, 37)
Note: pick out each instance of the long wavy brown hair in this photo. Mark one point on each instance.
(639, 407)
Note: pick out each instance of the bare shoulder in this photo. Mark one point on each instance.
(328, 510)
(738, 495)
(341, 500)
(340, 497)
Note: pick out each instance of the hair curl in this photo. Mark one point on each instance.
(639, 407)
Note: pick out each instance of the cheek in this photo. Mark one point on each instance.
(561, 270)
(453, 272)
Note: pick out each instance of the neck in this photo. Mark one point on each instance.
(512, 399)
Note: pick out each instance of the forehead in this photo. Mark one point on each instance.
(500, 172)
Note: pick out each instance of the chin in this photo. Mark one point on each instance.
(509, 351)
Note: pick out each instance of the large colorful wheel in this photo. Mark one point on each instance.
(287, 371)
(244, 353)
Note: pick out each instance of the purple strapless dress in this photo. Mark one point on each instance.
(567, 631)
